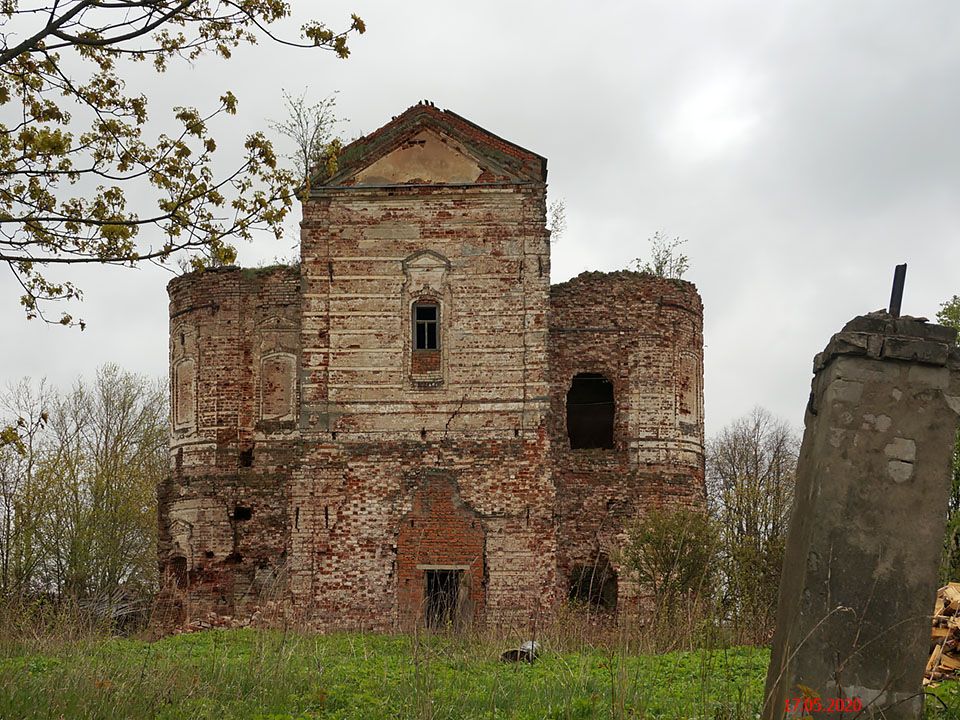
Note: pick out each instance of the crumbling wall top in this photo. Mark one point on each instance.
(625, 287)
(199, 276)
(881, 335)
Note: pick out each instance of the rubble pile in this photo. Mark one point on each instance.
(260, 617)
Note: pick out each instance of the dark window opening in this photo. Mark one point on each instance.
(426, 326)
(443, 589)
(208, 554)
(246, 458)
(242, 513)
(590, 410)
(178, 570)
(594, 585)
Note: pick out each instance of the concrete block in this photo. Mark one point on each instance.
(860, 571)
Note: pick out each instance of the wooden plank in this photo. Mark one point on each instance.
(949, 662)
(951, 596)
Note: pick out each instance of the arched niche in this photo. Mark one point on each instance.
(278, 385)
(185, 394)
(688, 390)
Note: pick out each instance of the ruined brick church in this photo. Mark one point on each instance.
(412, 425)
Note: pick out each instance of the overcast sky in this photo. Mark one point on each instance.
(802, 148)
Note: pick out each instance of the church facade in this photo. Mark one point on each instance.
(413, 426)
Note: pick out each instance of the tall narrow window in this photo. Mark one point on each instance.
(426, 322)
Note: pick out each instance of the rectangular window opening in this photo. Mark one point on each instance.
(426, 318)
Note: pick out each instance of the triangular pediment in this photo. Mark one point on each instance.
(424, 158)
(178, 526)
(425, 260)
(276, 322)
(427, 146)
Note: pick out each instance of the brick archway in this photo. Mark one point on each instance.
(440, 549)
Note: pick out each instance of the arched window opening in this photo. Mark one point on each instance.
(594, 585)
(590, 410)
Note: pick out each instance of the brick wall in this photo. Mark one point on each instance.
(644, 335)
(319, 458)
(236, 332)
(376, 418)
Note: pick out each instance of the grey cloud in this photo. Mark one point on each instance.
(803, 148)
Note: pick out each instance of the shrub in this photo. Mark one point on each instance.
(671, 552)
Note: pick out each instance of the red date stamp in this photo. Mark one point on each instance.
(810, 705)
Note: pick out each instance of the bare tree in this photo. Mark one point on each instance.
(311, 127)
(557, 219)
(751, 468)
(666, 260)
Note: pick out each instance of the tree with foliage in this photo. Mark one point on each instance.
(78, 504)
(666, 259)
(75, 150)
(751, 470)
(949, 315)
(22, 498)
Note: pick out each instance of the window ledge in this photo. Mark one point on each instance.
(427, 382)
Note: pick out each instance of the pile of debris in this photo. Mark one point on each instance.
(259, 617)
(944, 662)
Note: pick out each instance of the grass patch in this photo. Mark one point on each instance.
(261, 674)
(274, 675)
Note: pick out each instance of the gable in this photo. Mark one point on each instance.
(427, 146)
(426, 157)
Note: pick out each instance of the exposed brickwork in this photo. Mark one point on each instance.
(232, 326)
(502, 155)
(645, 335)
(300, 400)
(440, 532)
(424, 362)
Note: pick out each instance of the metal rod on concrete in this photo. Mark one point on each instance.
(896, 296)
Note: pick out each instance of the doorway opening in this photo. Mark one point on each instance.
(443, 592)
(594, 585)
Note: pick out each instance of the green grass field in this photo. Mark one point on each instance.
(251, 674)
(259, 674)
